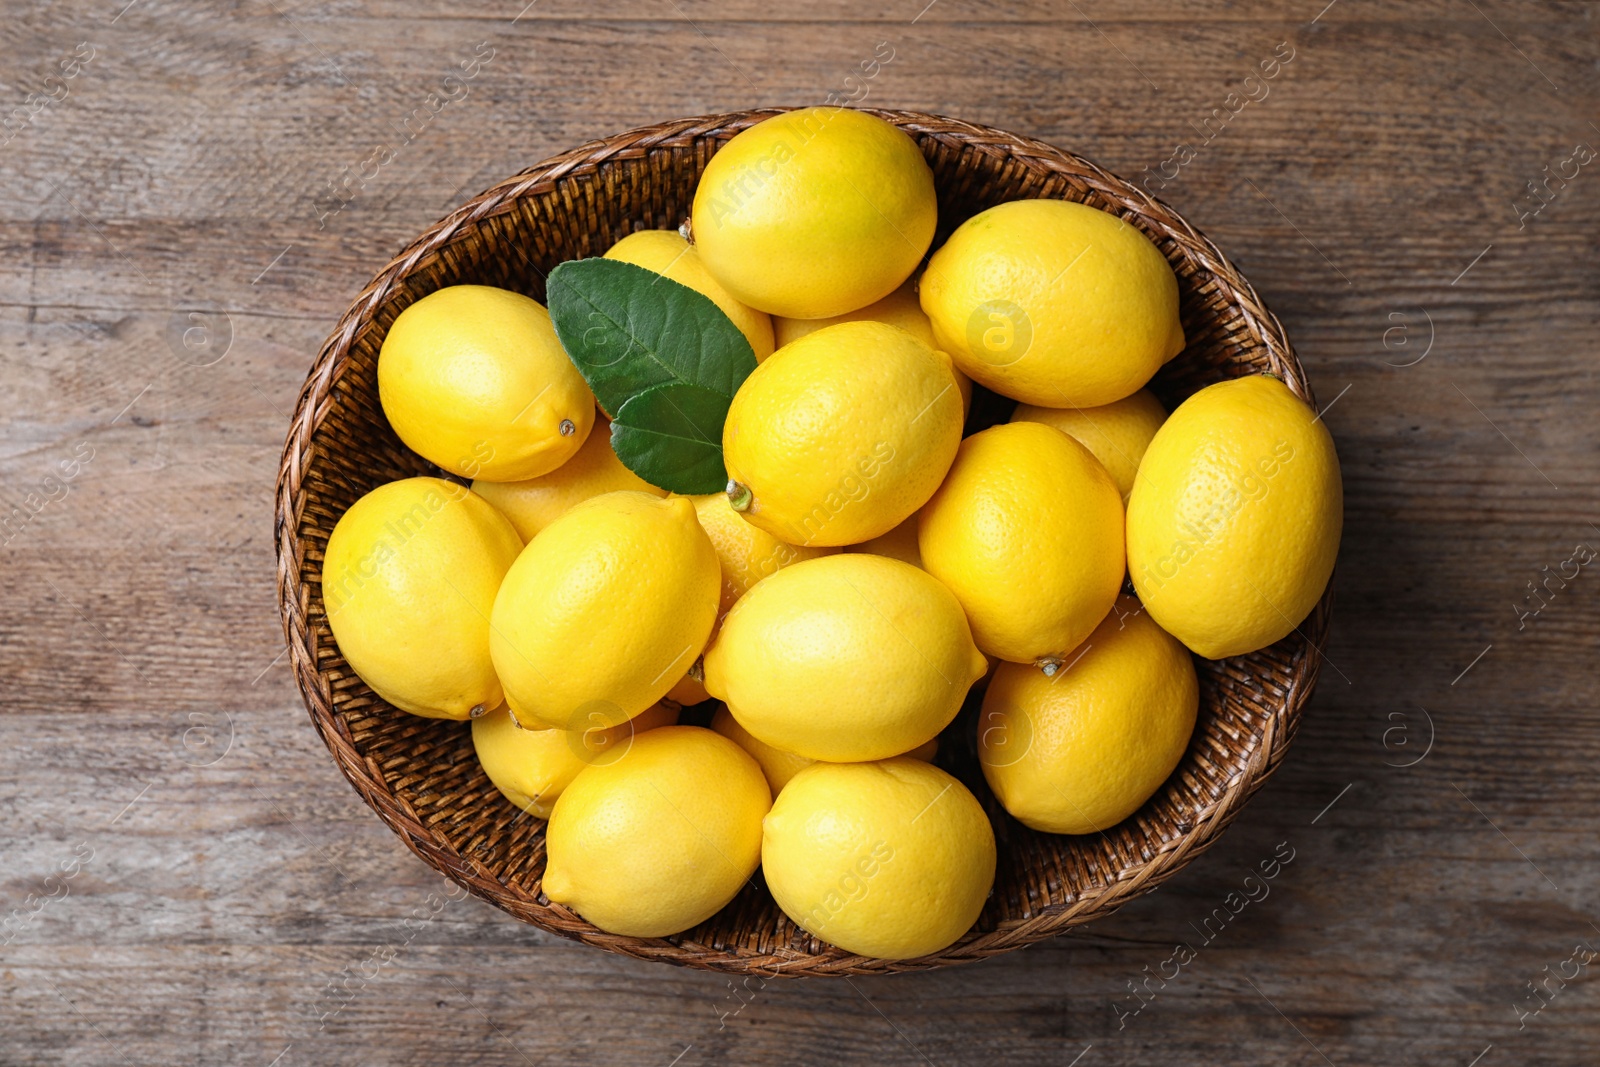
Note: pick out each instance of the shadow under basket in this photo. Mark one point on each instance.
(421, 776)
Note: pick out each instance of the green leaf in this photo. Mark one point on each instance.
(628, 329)
(671, 436)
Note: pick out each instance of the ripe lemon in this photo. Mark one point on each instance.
(535, 503)
(1053, 303)
(891, 859)
(844, 658)
(532, 767)
(899, 543)
(1117, 433)
(408, 578)
(779, 766)
(473, 378)
(746, 553)
(688, 690)
(659, 840)
(841, 435)
(815, 212)
(1082, 750)
(667, 253)
(1027, 532)
(1234, 519)
(604, 610)
(900, 308)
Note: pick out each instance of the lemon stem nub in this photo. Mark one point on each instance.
(567, 428)
(739, 496)
(1050, 665)
(697, 671)
(477, 711)
(686, 230)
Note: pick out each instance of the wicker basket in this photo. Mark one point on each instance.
(421, 776)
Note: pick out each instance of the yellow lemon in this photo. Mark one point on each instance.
(662, 838)
(604, 611)
(745, 552)
(1117, 433)
(891, 859)
(840, 436)
(815, 212)
(408, 578)
(899, 543)
(667, 253)
(688, 690)
(1053, 303)
(1081, 750)
(900, 308)
(473, 378)
(532, 767)
(779, 766)
(845, 658)
(1234, 519)
(535, 503)
(1027, 532)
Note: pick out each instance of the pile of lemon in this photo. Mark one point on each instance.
(867, 566)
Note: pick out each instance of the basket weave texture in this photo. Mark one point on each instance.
(421, 776)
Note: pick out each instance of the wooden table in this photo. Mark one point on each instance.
(187, 879)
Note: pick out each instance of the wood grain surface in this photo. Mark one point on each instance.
(185, 878)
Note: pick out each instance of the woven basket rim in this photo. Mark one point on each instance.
(294, 594)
